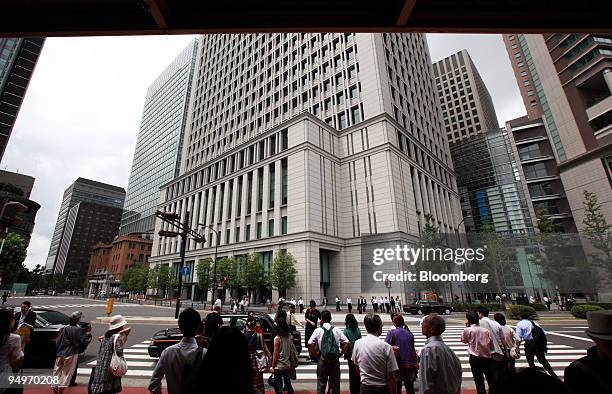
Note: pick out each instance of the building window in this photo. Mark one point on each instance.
(342, 124)
(284, 225)
(260, 185)
(356, 115)
(284, 180)
(239, 202)
(227, 236)
(237, 234)
(271, 228)
(536, 170)
(271, 188)
(249, 192)
(247, 232)
(532, 151)
(259, 226)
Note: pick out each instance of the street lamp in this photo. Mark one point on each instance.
(215, 258)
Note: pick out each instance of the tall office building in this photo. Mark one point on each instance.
(307, 143)
(158, 150)
(467, 108)
(18, 187)
(566, 79)
(18, 57)
(101, 210)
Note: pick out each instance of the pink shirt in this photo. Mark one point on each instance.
(479, 340)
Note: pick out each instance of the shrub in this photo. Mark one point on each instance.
(538, 307)
(604, 305)
(515, 311)
(459, 307)
(580, 311)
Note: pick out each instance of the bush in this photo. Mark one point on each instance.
(580, 311)
(604, 305)
(515, 311)
(459, 307)
(538, 307)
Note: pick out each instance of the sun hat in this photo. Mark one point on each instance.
(600, 324)
(76, 315)
(116, 322)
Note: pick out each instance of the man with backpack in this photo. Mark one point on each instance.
(178, 362)
(535, 342)
(326, 345)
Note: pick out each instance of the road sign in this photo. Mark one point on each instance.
(185, 271)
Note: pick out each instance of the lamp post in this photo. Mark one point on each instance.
(214, 259)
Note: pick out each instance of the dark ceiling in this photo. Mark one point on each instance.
(121, 17)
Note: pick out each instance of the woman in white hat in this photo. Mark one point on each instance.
(102, 381)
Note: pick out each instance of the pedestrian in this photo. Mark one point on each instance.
(70, 340)
(4, 297)
(381, 305)
(312, 317)
(255, 345)
(217, 303)
(113, 341)
(401, 340)
(547, 302)
(226, 367)
(337, 304)
(281, 303)
(439, 367)
(535, 342)
(11, 345)
(498, 360)
(374, 305)
(26, 317)
(291, 319)
(324, 302)
(268, 304)
(591, 373)
(480, 345)
(326, 345)
(398, 302)
(392, 302)
(301, 305)
(374, 359)
(174, 359)
(387, 305)
(349, 304)
(352, 333)
(510, 342)
(285, 357)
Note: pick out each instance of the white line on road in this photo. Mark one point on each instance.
(570, 336)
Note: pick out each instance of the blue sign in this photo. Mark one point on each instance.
(185, 271)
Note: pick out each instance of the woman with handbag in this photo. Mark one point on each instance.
(111, 365)
(258, 354)
(285, 358)
(511, 342)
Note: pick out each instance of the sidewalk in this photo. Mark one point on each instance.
(143, 390)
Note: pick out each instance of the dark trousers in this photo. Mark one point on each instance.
(482, 367)
(375, 307)
(354, 381)
(328, 371)
(301, 308)
(338, 306)
(531, 351)
(350, 307)
(374, 390)
(282, 378)
(406, 377)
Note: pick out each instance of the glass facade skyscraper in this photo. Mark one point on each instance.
(18, 57)
(158, 149)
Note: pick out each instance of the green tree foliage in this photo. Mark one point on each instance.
(252, 273)
(11, 258)
(161, 279)
(431, 238)
(498, 256)
(284, 273)
(135, 279)
(203, 272)
(597, 230)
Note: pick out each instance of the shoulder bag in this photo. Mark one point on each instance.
(118, 365)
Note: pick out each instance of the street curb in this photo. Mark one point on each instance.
(138, 319)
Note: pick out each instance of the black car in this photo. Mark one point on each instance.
(424, 307)
(40, 351)
(170, 336)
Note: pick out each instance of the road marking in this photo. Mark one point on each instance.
(570, 336)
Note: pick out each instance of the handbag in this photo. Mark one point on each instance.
(263, 362)
(514, 353)
(118, 365)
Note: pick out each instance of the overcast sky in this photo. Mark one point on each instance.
(82, 111)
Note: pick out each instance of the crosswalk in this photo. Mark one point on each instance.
(140, 365)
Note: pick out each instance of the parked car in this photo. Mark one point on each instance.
(425, 307)
(40, 351)
(170, 336)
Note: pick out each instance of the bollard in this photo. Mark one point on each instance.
(109, 306)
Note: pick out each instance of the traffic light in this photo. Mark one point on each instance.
(166, 233)
(10, 213)
(167, 216)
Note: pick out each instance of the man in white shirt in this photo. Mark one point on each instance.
(174, 358)
(349, 304)
(217, 303)
(301, 305)
(328, 366)
(374, 359)
(497, 354)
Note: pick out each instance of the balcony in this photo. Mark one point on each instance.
(600, 108)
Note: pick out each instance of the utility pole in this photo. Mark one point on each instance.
(184, 234)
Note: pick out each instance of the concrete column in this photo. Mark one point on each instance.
(607, 74)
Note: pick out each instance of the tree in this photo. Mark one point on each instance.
(161, 278)
(431, 238)
(12, 257)
(497, 256)
(252, 272)
(283, 275)
(134, 279)
(597, 230)
(203, 269)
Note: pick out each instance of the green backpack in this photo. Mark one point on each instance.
(329, 346)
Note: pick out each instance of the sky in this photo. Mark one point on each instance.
(82, 110)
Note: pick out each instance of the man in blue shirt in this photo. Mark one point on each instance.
(524, 330)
